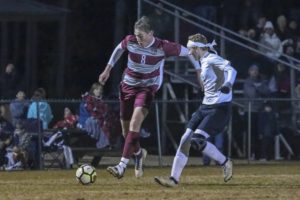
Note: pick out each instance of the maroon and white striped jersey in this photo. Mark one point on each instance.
(145, 64)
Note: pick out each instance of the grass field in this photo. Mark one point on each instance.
(252, 182)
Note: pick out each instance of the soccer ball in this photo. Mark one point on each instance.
(86, 174)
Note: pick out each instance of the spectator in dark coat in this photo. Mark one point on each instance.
(8, 82)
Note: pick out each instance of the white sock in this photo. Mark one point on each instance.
(211, 151)
(179, 163)
(123, 163)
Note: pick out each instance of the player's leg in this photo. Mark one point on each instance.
(139, 153)
(142, 104)
(182, 153)
(179, 162)
(137, 156)
(209, 125)
(126, 110)
(125, 127)
(134, 107)
(132, 145)
(199, 141)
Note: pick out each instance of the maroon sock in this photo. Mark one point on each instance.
(132, 144)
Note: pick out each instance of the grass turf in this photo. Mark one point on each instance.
(268, 181)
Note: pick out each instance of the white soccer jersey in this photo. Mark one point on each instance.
(215, 71)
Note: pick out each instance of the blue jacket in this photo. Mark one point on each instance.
(45, 113)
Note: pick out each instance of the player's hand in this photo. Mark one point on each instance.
(105, 75)
(226, 87)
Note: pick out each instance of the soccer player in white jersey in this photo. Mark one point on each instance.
(217, 76)
(142, 78)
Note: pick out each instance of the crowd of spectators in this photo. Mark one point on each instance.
(22, 118)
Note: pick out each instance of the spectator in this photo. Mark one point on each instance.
(97, 110)
(15, 160)
(18, 108)
(297, 48)
(271, 40)
(92, 116)
(261, 22)
(5, 113)
(8, 82)
(112, 126)
(39, 107)
(24, 145)
(293, 29)
(6, 138)
(69, 120)
(267, 129)
(281, 81)
(255, 87)
(281, 28)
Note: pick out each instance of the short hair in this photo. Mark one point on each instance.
(143, 24)
(199, 38)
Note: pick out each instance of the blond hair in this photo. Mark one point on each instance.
(143, 24)
(199, 38)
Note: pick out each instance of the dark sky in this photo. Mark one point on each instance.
(90, 39)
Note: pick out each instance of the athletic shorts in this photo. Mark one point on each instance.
(131, 97)
(211, 118)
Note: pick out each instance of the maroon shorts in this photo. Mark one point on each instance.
(131, 97)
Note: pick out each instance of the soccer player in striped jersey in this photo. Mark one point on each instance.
(142, 78)
(217, 76)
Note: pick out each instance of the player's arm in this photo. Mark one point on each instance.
(231, 75)
(228, 83)
(185, 52)
(175, 49)
(225, 66)
(198, 72)
(117, 53)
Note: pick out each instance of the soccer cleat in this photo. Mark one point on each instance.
(117, 171)
(139, 161)
(166, 182)
(227, 170)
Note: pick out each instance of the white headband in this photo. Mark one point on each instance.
(199, 44)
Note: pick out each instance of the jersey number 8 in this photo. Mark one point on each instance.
(143, 59)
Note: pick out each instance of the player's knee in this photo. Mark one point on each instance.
(135, 124)
(198, 142)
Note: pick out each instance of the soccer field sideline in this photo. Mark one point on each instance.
(270, 181)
